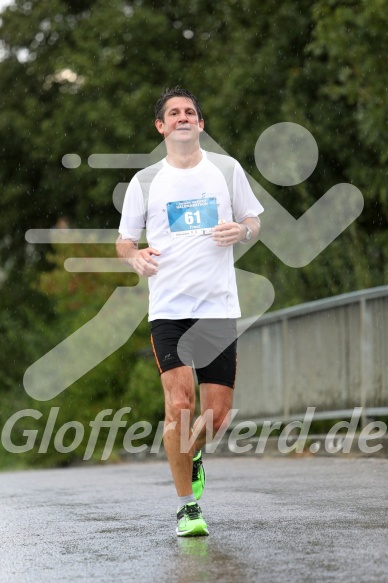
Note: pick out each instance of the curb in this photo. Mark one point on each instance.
(315, 445)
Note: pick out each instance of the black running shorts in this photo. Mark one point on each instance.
(209, 345)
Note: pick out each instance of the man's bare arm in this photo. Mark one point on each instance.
(139, 259)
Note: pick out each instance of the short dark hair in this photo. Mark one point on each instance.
(176, 91)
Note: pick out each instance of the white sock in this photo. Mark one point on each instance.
(183, 500)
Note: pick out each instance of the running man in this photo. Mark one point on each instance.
(192, 220)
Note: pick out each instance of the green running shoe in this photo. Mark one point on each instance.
(190, 521)
(198, 478)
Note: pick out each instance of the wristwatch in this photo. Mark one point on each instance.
(249, 233)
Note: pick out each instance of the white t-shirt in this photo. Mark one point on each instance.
(196, 278)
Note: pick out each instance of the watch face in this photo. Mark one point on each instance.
(249, 234)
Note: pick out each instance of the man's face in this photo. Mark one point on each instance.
(180, 122)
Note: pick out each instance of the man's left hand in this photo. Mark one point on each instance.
(228, 234)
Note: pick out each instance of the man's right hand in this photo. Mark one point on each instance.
(143, 263)
(139, 259)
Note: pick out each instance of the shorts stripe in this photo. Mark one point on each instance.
(156, 358)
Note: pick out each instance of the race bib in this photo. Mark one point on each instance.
(192, 217)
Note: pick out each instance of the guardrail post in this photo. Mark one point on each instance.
(363, 357)
(286, 384)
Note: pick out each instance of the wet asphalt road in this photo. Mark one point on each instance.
(271, 520)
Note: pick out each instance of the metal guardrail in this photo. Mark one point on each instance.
(331, 354)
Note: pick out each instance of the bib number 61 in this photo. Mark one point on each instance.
(191, 216)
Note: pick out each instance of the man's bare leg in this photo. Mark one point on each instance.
(219, 400)
(179, 391)
(179, 394)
